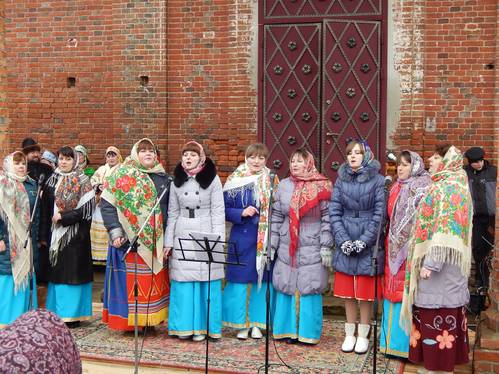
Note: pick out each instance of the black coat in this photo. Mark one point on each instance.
(483, 189)
(74, 262)
(36, 168)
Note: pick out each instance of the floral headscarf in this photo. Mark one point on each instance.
(132, 192)
(310, 188)
(368, 154)
(105, 170)
(15, 213)
(412, 190)
(72, 191)
(260, 183)
(443, 226)
(202, 157)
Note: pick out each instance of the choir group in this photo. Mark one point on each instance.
(302, 224)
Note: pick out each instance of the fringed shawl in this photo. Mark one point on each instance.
(242, 179)
(72, 191)
(443, 226)
(412, 190)
(132, 192)
(15, 213)
(310, 188)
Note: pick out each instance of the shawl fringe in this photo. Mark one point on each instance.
(66, 234)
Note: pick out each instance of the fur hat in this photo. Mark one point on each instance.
(29, 144)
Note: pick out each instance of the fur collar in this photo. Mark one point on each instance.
(345, 173)
(204, 177)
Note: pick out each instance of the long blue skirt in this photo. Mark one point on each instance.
(12, 304)
(393, 340)
(70, 302)
(188, 306)
(244, 305)
(298, 317)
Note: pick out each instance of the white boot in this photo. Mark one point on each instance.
(199, 338)
(349, 342)
(256, 333)
(243, 334)
(362, 342)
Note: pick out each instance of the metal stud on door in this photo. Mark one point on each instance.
(350, 94)
(291, 102)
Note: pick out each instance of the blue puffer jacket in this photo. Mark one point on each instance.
(5, 265)
(356, 209)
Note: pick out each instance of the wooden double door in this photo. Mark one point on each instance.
(322, 86)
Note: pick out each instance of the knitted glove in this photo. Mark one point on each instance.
(359, 245)
(326, 256)
(347, 247)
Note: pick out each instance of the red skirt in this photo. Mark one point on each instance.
(359, 287)
(439, 338)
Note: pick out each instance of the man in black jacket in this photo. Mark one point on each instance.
(35, 168)
(482, 178)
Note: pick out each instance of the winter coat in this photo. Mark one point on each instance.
(110, 214)
(74, 261)
(5, 265)
(36, 168)
(308, 275)
(446, 287)
(483, 189)
(196, 205)
(357, 208)
(244, 234)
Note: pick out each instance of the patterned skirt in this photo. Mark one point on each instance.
(118, 310)
(439, 338)
(98, 237)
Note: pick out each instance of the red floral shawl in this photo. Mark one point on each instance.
(310, 188)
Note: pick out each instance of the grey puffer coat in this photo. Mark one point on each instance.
(196, 205)
(308, 275)
(446, 287)
(357, 207)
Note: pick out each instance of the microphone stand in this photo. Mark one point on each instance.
(133, 248)
(374, 273)
(28, 237)
(267, 271)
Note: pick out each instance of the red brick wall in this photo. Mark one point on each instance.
(113, 45)
(449, 95)
(199, 54)
(211, 96)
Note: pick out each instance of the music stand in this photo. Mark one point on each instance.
(208, 248)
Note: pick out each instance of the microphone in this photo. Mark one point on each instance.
(391, 157)
(41, 178)
(388, 180)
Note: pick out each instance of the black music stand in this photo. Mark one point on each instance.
(208, 248)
